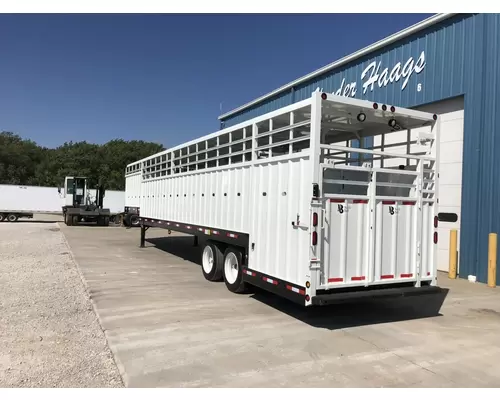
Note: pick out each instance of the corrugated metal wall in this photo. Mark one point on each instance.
(461, 58)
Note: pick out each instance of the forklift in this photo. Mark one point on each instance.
(78, 205)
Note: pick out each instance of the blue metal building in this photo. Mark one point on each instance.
(451, 59)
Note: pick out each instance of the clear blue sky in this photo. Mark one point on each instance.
(160, 78)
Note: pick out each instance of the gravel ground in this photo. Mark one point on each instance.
(49, 333)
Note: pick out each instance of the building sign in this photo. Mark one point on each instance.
(374, 75)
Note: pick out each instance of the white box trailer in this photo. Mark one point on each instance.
(20, 201)
(114, 200)
(286, 202)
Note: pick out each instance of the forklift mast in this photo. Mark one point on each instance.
(100, 196)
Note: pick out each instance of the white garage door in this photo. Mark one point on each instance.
(450, 175)
(451, 149)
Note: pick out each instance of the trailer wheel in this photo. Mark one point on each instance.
(134, 220)
(75, 220)
(12, 217)
(2, 217)
(212, 262)
(106, 221)
(233, 271)
(68, 220)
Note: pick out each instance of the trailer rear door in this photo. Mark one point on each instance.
(378, 201)
(381, 236)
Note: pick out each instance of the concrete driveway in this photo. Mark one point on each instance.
(168, 327)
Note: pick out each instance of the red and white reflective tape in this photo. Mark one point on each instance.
(188, 227)
(358, 278)
(409, 203)
(269, 280)
(246, 271)
(386, 276)
(215, 232)
(295, 290)
(337, 200)
(406, 275)
(333, 280)
(359, 201)
(232, 235)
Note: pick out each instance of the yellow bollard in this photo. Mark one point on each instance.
(492, 260)
(452, 270)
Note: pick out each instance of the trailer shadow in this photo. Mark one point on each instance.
(179, 246)
(359, 313)
(339, 316)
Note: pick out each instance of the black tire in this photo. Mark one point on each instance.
(212, 272)
(12, 217)
(106, 221)
(68, 220)
(134, 220)
(126, 220)
(2, 217)
(235, 282)
(75, 220)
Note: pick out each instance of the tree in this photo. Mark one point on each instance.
(18, 159)
(23, 162)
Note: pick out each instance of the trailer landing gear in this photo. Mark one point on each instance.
(143, 236)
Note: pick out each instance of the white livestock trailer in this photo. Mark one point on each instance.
(304, 202)
(133, 180)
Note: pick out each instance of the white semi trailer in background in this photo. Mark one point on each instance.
(290, 203)
(21, 201)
